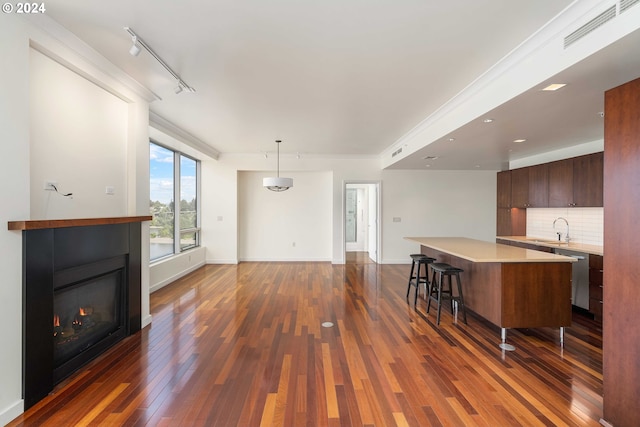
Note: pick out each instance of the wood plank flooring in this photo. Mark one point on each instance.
(244, 345)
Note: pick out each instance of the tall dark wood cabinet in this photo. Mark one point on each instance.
(620, 317)
(509, 222)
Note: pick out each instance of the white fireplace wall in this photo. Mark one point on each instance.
(78, 140)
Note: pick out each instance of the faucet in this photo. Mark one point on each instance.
(566, 236)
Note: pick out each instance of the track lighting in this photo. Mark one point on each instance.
(135, 50)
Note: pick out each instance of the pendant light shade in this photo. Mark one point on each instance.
(277, 183)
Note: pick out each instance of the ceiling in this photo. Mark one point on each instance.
(347, 77)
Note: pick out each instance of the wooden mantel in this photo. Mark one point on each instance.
(80, 222)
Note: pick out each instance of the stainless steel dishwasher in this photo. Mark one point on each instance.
(579, 277)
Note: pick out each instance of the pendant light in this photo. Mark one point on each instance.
(277, 183)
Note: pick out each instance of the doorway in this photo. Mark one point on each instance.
(361, 221)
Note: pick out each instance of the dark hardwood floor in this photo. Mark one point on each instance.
(244, 345)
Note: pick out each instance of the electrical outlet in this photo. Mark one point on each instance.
(50, 185)
(109, 190)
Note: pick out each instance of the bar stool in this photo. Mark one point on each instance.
(438, 289)
(419, 260)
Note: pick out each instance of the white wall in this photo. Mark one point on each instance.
(435, 203)
(293, 225)
(222, 195)
(14, 205)
(219, 211)
(79, 140)
(127, 162)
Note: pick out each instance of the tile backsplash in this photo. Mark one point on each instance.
(586, 225)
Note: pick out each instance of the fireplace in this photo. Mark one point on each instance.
(88, 314)
(81, 294)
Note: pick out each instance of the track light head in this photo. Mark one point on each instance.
(178, 88)
(135, 49)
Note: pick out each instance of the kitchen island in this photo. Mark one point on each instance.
(510, 287)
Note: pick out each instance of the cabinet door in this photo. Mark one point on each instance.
(520, 187)
(561, 183)
(538, 186)
(504, 189)
(588, 180)
(503, 225)
(511, 222)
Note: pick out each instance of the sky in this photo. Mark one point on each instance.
(161, 175)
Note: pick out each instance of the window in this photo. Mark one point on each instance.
(173, 176)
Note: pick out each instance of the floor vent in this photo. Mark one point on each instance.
(395, 153)
(626, 4)
(596, 22)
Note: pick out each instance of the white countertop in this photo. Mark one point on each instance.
(481, 251)
(571, 246)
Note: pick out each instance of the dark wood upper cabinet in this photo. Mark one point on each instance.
(561, 183)
(529, 187)
(576, 182)
(519, 187)
(588, 180)
(538, 186)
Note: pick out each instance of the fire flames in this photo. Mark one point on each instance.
(57, 330)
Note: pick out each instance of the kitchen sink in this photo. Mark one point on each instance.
(547, 241)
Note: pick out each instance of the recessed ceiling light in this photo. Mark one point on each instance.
(427, 166)
(554, 86)
(429, 157)
(519, 140)
(488, 120)
(451, 139)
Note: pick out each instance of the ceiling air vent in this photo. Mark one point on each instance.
(596, 22)
(626, 4)
(395, 153)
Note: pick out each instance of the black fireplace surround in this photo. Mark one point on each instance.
(58, 265)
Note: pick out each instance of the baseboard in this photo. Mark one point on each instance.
(396, 261)
(285, 260)
(10, 413)
(146, 321)
(222, 261)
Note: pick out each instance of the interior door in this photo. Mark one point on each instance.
(373, 222)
